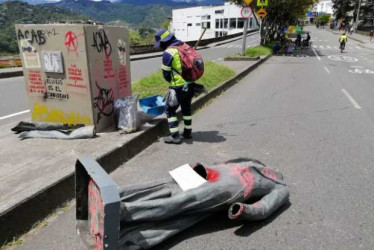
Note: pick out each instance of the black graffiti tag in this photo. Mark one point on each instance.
(101, 43)
(32, 36)
(104, 102)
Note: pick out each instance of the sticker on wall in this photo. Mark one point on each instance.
(52, 61)
(30, 55)
(121, 51)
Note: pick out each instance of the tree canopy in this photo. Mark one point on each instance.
(280, 13)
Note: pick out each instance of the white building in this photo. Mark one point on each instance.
(188, 24)
(323, 7)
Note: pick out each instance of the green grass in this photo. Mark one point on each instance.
(154, 84)
(262, 50)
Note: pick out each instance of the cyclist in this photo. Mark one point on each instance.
(343, 39)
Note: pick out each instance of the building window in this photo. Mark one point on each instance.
(225, 23)
(217, 33)
(232, 23)
(251, 23)
(198, 24)
(240, 23)
(219, 11)
(189, 24)
(217, 23)
(206, 25)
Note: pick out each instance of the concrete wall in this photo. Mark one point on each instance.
(73, 72)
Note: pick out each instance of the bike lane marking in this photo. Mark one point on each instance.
(350, 98)
(319, 59)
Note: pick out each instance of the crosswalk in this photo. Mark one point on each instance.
(336, 47)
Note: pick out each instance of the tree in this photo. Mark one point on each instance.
(323, 19)
(280, 13)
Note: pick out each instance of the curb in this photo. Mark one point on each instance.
(11, 74)
(16, 220)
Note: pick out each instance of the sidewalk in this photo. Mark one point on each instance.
(38, 174)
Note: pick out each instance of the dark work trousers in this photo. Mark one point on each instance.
(184, 96)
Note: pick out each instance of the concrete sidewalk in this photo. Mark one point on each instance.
(38, 174)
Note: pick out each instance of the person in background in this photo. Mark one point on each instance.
(171, 64)
(371, 34)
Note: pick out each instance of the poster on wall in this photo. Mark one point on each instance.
(30, 55)
(52, 61)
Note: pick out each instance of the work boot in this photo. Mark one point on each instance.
(187, 135)
(173, 139)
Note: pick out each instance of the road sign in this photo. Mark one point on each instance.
(246, 12)
(247, 2)
(262, 3)
(261, 13)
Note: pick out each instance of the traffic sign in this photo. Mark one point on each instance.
(246, 12)
(262, 3)
(247, 2)
(261, 13)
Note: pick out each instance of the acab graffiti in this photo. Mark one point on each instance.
(101, 42)
(104, 102)
(33, 36)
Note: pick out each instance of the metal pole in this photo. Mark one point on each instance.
(197, 43)
(244, 35)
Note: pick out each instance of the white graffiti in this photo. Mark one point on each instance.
(340, 58)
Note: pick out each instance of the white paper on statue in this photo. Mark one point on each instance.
(186, 177)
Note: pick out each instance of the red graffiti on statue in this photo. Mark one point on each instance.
(269, 173)
(123, 80)
(245, 178)
(108, 68)
(76, 80)
(35, 83)
(71, 42)
(96, 214)
(212, 175)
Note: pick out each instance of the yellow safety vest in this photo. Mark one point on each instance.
(176, 64)
(343, 39)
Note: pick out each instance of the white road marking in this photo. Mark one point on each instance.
(358, 47)
(321, 47)
(329, 47)
(327, 70)
(314, 46)
(341, 58)
(319, 59)
(219, 59)
(350, 98)
(15, 114)
(335, 47)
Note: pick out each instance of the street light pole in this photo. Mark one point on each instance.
(244, 36)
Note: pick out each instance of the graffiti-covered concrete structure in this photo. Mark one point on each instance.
(74, 72)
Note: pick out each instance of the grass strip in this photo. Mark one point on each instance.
(154, 84)
(261, 50)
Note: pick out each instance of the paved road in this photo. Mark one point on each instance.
(13, 94)
(308, 116)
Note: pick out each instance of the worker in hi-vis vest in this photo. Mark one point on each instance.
(180, 92)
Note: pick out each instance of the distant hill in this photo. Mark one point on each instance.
(144, 2)
(12, 12)
(135, 16)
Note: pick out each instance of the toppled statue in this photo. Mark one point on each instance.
(148, 214)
